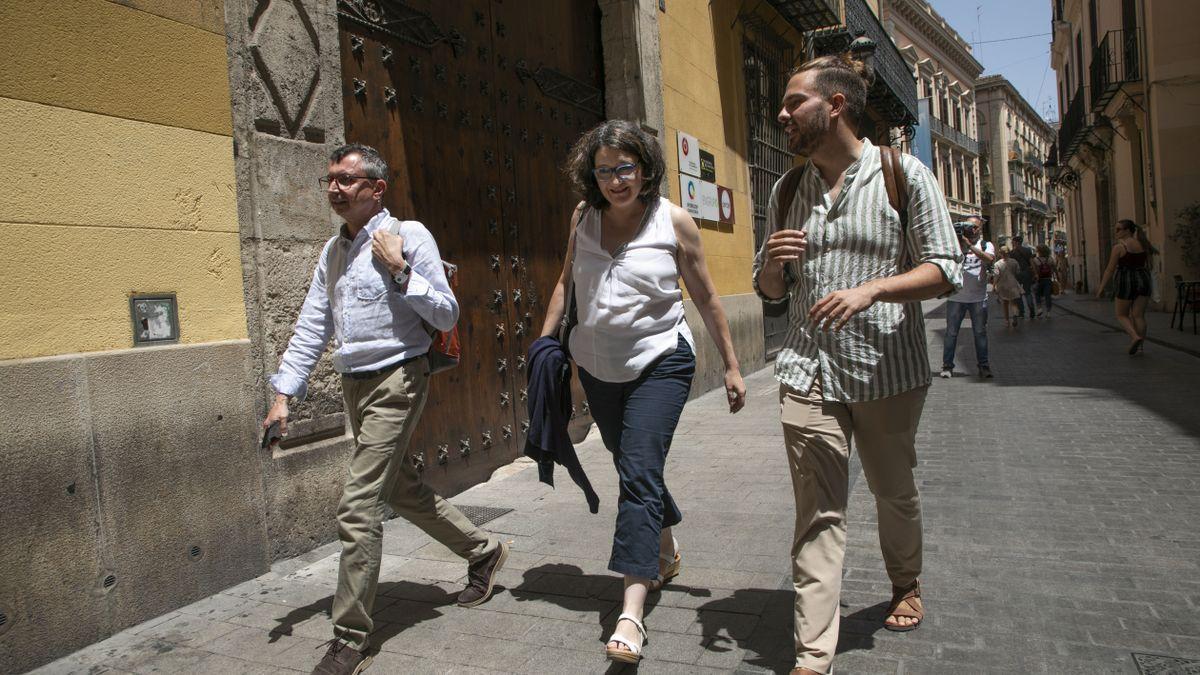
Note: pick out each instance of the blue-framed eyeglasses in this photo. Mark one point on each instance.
(621, 171)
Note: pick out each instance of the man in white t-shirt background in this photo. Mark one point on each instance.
(972, 299)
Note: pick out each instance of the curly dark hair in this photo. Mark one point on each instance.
(621, 135)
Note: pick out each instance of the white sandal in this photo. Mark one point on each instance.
(675, 564)
(634, 654)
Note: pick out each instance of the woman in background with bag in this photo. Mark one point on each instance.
(1043, 272)
(1005, 283)
(627, 251)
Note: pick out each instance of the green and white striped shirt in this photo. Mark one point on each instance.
(881, 352)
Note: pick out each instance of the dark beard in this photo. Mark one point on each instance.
(808, 134)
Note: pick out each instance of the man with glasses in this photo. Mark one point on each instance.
(377, 285)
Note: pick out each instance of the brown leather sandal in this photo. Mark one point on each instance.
(906, 603)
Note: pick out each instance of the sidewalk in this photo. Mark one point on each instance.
(1158, 324)
(1060, 516)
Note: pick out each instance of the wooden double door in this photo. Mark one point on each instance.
(475, 104)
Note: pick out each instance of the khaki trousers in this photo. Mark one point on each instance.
(818, 434)
(383, 412)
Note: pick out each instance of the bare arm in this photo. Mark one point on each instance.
(557, 306)
(1118, 250)
(981, 252)
(699, 284)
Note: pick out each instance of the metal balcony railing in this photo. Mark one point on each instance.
(954, 136)
(1115, 61)
(1074, 126)
(809, 14)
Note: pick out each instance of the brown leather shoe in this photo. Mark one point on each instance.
(481, 577)
(342, 659)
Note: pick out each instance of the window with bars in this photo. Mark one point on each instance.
(765, 60)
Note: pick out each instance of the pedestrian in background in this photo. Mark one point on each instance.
(627, 251)
(1023, 255)
(854, 367)
(1129, 262)
(978, 255)
(1062, 267)
(1043, 270)
(1006, 285)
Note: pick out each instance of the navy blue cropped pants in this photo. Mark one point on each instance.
(637, 420)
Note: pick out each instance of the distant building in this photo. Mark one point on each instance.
(1130, 133)
(1016, 140)
(946, 138)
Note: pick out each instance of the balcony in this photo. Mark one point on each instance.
(1115, 61)
(894, 94)
(949, 133)
(1037, 205)
(808, 15)
(1074, 126)
(1016, 156)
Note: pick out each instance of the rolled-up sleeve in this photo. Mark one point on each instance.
(931, 237)
(314, 327)
(428, 291)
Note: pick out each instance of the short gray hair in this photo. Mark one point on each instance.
(373, 164)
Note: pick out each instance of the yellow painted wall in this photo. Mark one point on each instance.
(117, 144)
(695, 69)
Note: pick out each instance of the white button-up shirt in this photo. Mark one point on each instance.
(373, 323)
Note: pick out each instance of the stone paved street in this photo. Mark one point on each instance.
(1061, 506)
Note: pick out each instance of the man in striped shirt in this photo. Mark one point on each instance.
(854, 363)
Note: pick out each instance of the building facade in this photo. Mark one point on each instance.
(1016, 142)
(947, 137)
(1127, 81)
(166, 220)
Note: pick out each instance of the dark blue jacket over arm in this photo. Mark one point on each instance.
(549, 414)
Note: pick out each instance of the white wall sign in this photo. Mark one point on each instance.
(708, 201)
(689, 153)
(689, 194)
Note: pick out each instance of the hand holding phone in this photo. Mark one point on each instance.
(271, 435)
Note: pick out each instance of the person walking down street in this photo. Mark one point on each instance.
(377, 283)
(1062, 269)
(1023, 255)
(1129, 264)
(626, 254)
(854, 366)
(1043, 270)
(1005, 284)
(972, 299)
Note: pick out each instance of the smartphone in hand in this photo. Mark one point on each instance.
(271, 435)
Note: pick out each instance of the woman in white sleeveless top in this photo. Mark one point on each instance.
(627, 252)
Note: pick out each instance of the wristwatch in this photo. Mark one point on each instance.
(401, 277)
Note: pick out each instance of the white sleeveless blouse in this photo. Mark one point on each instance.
(630, 306)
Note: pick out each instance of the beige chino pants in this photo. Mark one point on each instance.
(818, 435)
(383, 412)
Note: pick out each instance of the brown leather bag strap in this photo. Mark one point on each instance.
(787, 194)
(895, 183)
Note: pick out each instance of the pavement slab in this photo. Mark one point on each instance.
(1060, 500)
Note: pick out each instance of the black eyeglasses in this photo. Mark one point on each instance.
(621, 171)
(343, 181)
